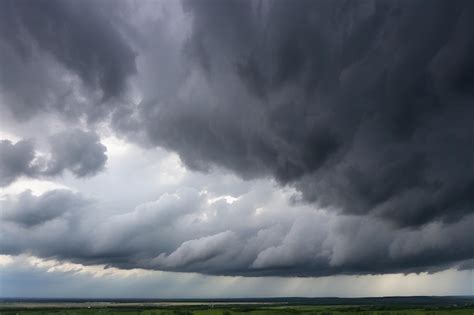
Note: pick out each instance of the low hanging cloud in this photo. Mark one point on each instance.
(186, 232)
(77, 151)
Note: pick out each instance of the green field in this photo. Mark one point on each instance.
(255, 309)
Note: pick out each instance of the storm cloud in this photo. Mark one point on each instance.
(222, 238)
(15, 160)
(28, 210)
(44, 40)
(364, 106)
(78, 151)
(349, 125)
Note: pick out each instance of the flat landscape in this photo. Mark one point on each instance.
(323, 306)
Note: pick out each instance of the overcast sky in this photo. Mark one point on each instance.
(236, 148)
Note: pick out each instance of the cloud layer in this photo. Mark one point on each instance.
(349, 125)
(189, 232)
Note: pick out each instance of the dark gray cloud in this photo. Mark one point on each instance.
(37, 37)
(363, 106)
(184, 232)
(28, 210)
(15, 160)
(75, 150)
(358, 105)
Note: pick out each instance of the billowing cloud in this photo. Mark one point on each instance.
(360, 106)
(46, 45)
(28, 210)
(78, 151)
(348, 124)
(15, 160)
(198, 251)
(188, 232)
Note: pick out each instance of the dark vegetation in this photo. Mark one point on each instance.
(318, 306)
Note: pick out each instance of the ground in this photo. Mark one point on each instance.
(228, 308)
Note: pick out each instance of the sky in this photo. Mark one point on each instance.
(261, 148)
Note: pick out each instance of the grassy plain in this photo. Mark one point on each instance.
(228, 309)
